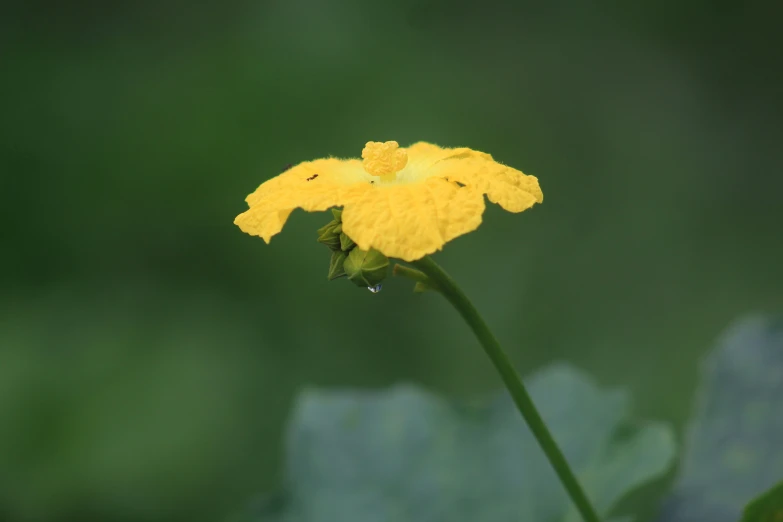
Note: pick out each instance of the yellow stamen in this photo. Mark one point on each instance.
(384, 159)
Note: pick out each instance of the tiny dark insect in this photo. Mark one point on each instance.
(372, 181)
(287, 167)
(311, 178)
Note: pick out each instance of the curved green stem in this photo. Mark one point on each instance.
(446, 286)
(404, 271)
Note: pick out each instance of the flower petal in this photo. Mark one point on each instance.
(422, 155)
(307, 183)
(409, 221)
(506, 186)
(313, 185)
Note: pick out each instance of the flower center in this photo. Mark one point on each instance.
(383, 159)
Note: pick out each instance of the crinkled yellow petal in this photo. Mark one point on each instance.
(436, 196)
(308, 184)
(506, 186)
(409, 221)
(422, 156)
(313, 185)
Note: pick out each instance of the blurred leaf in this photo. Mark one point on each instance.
(406, 454)
(733, 448)
(767, 507)
(269, 506)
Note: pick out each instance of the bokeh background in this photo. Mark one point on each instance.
(150, 351)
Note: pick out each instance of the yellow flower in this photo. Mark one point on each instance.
(404, 202)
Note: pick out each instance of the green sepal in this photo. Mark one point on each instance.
(321, 231)
(338, 229)
(338, 214)
(336, 268)
(366, 268)
(420, 287)
(346, 243)
(328, 236)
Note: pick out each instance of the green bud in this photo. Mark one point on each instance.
(329, 237)
(336, 265)
(366, 268)
(346, 243)
(338, 214)
(325, 228)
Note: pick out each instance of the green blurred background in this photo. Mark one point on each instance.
(149, 351)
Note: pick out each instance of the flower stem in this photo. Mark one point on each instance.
(446, 286)
(410, 273)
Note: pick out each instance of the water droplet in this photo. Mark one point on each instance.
(375, 289)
